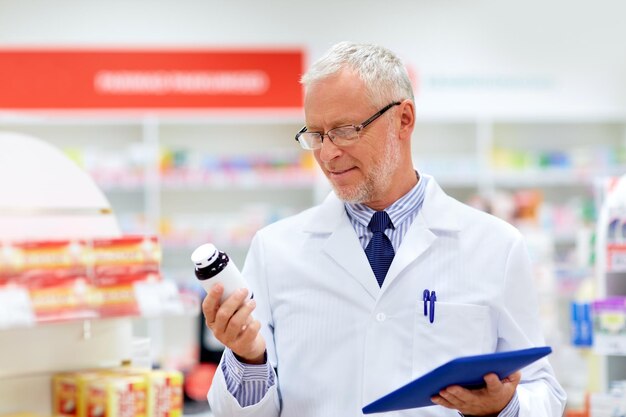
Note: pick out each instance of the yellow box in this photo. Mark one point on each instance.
(68, 392)
(165, 394)
(164, 390)
(116, 396)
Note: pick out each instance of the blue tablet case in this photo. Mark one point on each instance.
(467, 371)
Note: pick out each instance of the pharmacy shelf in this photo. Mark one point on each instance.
(466, 155)
(552, 178)
(609, 334)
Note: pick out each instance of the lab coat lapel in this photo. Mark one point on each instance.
(344, 247)
(342, 244)
(437, 213)
(416, 241)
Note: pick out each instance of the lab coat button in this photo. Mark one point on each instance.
(381, 317)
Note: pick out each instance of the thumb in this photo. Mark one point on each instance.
(492, 381)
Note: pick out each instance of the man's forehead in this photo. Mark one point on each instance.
(325, 118)
(334, 103)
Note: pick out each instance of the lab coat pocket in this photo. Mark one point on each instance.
(457, 330)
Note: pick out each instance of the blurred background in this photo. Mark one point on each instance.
(182, 115)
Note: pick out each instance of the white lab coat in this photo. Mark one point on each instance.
(339, 341)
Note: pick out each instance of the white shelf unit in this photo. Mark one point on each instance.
(491, 154)
(468, 156)
(610, 282)
(126, 153)
(31, 352)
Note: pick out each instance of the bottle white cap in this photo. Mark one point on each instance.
(204, 255)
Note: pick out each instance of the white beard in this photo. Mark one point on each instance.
(378, 179)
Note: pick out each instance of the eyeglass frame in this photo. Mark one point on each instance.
(357, 128)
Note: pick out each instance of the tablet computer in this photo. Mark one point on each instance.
(466, 371)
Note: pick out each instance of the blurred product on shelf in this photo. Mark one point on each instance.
(118, 392)
(453, 167)
(596, 158)
(187, 168)
(582, 325)
(232, 229)
(616, 256)
(87, 278)
(113, 168)
(175, 160)
(567, 225)
(609, 325)
(611, 404)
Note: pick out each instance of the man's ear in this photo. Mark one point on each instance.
(407, 119)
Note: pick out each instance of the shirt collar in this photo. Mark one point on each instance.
(398, 212)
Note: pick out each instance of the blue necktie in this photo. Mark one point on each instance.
(379, 251)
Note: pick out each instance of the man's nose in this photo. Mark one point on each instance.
(329, 150)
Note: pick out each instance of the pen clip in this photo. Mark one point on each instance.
(426, 299)
(433, 298)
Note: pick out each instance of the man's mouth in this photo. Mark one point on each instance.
(339, 171)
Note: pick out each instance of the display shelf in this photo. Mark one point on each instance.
(65, 280)
(541, 178)
(53, 183)
(131, 158)
(145, 163)
(27, 364)
(70, 284)
(609, 309)
(274, 180)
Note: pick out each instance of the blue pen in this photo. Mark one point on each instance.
(433, 298)
(429, 297)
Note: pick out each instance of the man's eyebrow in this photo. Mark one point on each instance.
(344, 121)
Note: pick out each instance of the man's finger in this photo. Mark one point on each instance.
(493, 382)
(211, 303)
(239, 319)
(514, 378)
(247, 335)
(228, 309)
(249, 320)
(439, 400)
(246, 339)
(450, 396)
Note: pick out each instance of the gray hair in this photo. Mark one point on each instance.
(383, 73)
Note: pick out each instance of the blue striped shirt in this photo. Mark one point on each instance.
(249, 383)
(246, 382)
(402, 213)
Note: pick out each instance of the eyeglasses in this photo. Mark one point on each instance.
(340, 136)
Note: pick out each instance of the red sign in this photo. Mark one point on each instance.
(147, 79)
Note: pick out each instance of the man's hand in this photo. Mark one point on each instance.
(488, 401)
(233, 325)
